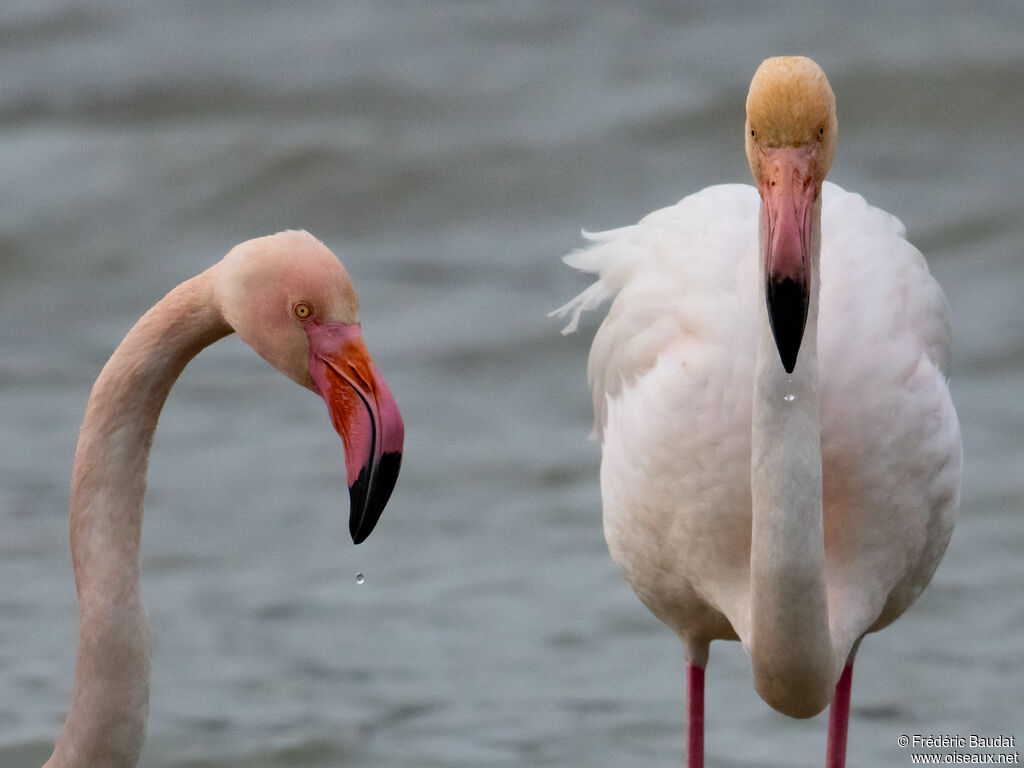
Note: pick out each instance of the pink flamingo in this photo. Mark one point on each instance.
(291, 300)
(781, 458)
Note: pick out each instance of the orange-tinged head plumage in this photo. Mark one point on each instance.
(791, 104)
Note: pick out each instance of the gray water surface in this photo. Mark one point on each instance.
(449, 152)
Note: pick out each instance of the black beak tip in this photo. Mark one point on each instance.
(360, 527)
(788, 359)
(369, 497)
(787, 313)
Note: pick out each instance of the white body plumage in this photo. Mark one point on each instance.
(672, 371)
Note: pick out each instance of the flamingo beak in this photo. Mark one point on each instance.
(365, 415)
(788, 192)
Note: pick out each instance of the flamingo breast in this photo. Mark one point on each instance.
(671, 369)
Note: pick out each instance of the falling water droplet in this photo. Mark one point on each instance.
(360, 578)
(789, 397)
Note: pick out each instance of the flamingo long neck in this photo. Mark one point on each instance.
(106, 722)
(791, 647)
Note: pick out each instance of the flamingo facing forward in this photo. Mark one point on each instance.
(780, 454)
(291, 300)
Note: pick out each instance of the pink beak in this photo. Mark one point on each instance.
(365, 415)
(788, 192)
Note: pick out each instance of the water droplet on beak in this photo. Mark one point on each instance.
(360, 578)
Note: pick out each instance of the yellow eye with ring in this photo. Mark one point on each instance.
(303, 310)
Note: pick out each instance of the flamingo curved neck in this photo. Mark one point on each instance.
(790, 645)
(106, 723)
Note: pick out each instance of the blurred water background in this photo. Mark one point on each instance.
(449, 152)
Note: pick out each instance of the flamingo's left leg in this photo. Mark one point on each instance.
(694, 715)
(839, 720)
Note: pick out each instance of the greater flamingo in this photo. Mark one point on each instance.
(781, 458)
(291, 300)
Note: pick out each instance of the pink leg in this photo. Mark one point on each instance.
(839, 720)
(694, 716)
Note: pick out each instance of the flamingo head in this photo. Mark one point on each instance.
(791, 132)
(291, 300)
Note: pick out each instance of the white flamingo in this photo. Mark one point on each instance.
(780, 454)
(291, 300)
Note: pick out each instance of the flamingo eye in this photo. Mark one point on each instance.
(303, 310)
